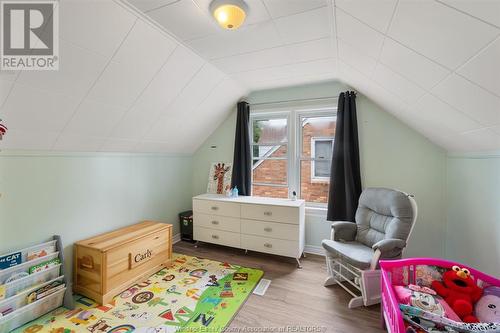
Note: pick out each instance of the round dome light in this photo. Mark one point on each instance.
(229, 14)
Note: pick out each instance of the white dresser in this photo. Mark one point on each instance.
(267, 225)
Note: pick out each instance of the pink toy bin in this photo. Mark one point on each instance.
(403, 272)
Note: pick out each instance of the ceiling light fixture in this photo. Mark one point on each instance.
(230, 14)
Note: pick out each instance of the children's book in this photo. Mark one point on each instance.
(10, 260)
(45, 291)
(39, 253)
(2, 292)
(44, 265)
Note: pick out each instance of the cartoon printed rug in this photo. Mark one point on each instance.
(193, 295)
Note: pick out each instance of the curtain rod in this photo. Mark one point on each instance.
(297, 100)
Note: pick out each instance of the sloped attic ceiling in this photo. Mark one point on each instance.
(123, 85)
(159, 75)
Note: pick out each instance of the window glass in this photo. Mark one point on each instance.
(323, 149)
(270, 157)
(266, 131)
(281, 165)
(269, 171)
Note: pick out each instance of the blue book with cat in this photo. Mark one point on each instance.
(10, 260)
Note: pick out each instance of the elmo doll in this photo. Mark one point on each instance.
(460, 291)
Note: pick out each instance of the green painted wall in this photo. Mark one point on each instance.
(473, 228)
(82, 195)
(392, 155)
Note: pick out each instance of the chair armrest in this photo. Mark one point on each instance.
(345, 231)
(389, 245)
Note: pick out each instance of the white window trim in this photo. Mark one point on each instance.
(315, 178)
(293, 114)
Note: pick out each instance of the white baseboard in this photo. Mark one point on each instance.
(312, 249)
(176, 238)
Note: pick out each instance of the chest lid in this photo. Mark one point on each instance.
(122, 236)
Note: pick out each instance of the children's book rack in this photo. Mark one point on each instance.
(22, 299)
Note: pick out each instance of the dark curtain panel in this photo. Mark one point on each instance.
(242, 163)
(345, 178)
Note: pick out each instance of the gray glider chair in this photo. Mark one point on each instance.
(384, 221)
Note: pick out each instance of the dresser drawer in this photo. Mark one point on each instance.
(281, 247)
(217, 222)
(270, 213)
(213, 207)
(217, 236)
(270, 229)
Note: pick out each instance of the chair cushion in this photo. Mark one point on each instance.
(355, 253)
(383, 213)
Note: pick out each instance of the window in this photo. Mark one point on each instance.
(321, 152)
(292, 151)
(270, 157)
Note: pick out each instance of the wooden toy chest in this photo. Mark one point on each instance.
(110, 263)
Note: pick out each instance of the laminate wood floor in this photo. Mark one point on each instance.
(296, 298)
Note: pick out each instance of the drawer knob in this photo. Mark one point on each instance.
(268, 229)
(268, 245)
(268, 213)
(215, 222)
(214, 208)
(215, 237)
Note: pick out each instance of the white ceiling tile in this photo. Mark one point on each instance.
(292, 28)
(371, 89)
(156, 147)
(146, 5)
(196, 91)
(472, 100)
(279, 8)
(5, 87)
(439, 32)
(121, 85)
(316, 67)
(496, 129)
(145, 43)
(437, 134)
(135, 64)
(136, 123)
(8, 75)
(484, 68)
(245, 39)
(78, 70)
(438, 113)
(410, 64)
(257, 11)
(28, 140)
(94, 119)
(356, 59)
(87, 24)
(359, 35)
(28, 108)
(482, 140)
(184, 135)
(301, 52)
(167, 84)
(78, 143)
(487, 10)
(119, 145)
(185, 20)
(376, 14)
(290, 81)
(398, 84)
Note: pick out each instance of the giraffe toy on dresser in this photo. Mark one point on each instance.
(220, 171)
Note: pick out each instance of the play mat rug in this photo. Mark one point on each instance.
(193, 295)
